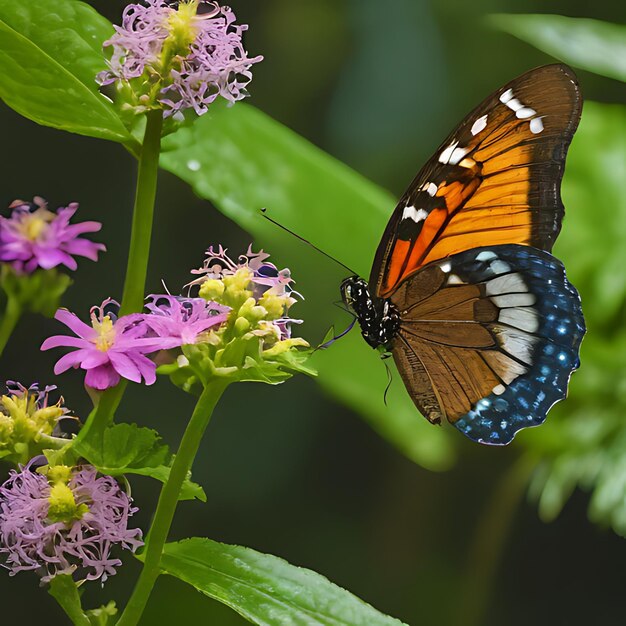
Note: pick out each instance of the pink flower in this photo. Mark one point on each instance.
(108, 349)
(35, 237)
(181, 321)
(64, 525)
(194, 48)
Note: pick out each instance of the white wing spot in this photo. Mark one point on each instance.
(524, 318)
(500, 267)
(514, 299)
(445, 155)
(506, 96)
(453, 279)
(446, 267)
(457, 155)
(479, 125)
(486, 255)
(509, 283)
(517, 344)
(430, 188)
(522, 111)
(514, 104)
(411, 213)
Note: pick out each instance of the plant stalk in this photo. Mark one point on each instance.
(143, 213)
(138, 255)
(168, 501)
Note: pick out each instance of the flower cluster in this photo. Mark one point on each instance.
(64, 520)
(28, 421)
(238, 326)
(178, 57)
(255, 343)
(246, 285)
(116, 347)
(35, 237)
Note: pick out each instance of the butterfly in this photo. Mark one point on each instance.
(483, 325)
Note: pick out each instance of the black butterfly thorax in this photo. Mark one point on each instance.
(378, 318)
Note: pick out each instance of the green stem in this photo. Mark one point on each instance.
(491, 533)
(9, 321)
(168, 500)
(102, 414)
(143, 213)
(138, 255)
(63, 589)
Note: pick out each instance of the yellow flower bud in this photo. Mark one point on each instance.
(59, 474)
(182, 27)
(242, 325)
(252, 311)
(275, 305)
(62, 505)
(212, 289)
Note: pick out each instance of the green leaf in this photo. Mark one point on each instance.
(592, 45)
(63, 589)
(242, 160)
(129, 449)
(265, 589)
(50, 53)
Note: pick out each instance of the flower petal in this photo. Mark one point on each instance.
(73, 359)
(146, 367)
(102, 377)
(65, 341)
(95, 358)
(77, 326)
(125, 366)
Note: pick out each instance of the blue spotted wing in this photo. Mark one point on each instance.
(488, 339)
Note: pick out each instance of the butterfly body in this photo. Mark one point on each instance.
(378, 317)
(480, 318)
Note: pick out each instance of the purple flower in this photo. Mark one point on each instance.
(35, 237)
(181, 321)
(108, 349)
(179, 57)
(64, 523)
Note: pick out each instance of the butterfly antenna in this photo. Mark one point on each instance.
(287, 230)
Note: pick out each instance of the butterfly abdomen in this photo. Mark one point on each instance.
(378, 318)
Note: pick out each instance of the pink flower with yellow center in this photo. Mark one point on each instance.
(35, 237)
(110, 349)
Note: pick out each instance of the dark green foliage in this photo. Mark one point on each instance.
(265, 589)
(128, 449)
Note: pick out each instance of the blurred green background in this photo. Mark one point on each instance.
(287, 470)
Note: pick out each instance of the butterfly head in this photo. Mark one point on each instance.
(378, 317)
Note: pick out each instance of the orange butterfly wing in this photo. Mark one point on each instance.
(494, 180)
